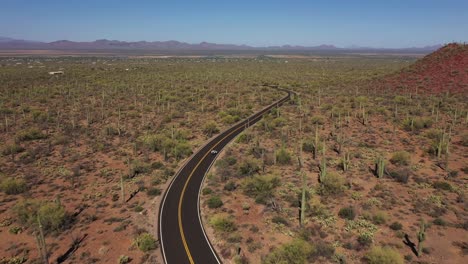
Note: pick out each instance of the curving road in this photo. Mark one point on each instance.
(181, 233)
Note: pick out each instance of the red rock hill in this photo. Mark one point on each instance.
(445, 70)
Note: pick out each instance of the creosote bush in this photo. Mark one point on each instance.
(223, 224)
(30, 134)
(283, 157)
(52, 215)
(333, 184)
(145, 242)
(385, 255)
(261, 187)
(295, 252)
(347, 213)
(401, 158)
(215, 202)
(13, 186)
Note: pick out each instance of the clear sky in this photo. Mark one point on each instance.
(376, 23)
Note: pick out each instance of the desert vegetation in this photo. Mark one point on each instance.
(348, 172)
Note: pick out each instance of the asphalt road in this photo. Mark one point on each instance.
(181, 233)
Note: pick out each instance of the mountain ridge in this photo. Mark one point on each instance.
(104, 44)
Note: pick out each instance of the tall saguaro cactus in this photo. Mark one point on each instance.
(303, 200)
(421, 237)
(380, 167)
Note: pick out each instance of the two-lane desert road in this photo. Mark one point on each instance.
(181, 233)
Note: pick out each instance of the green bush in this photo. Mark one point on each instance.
(207, 191)
(385, 255)
(52, 215)
(153, 191)
(296, 252)
(283, 157)
(396, 226)
(279, 220)
(124, 259)
(332, 184)
(401, 158)
(13, 186)
(439, 221)
(442, 185)
(347, 213)
(210, 128)
(223, 224)
(365, 239)
(379, 218)
(230, 186)
(416, 124)
(249, 167)
(12, 149)
(30, 134)
(215, 202)
(182, 150)
(261, 187)
(318, 120)
(145, 242)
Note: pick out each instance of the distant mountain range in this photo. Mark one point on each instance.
(172, 45)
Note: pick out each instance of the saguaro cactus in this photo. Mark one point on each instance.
(380, 167)
(303, 200)
(346, 161)
(421, 237)
(323, 166)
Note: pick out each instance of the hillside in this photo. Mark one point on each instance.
(445, 70)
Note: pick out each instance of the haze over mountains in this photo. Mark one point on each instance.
(104, 44)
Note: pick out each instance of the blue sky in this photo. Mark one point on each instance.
(386, 23)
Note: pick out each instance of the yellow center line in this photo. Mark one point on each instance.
(182, 234)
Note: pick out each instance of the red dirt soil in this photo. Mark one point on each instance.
(445, 70)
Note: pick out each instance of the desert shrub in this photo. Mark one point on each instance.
(318, 120)
(295, 252)
(279, 220)
(145, 242)
(52, 215)
(416, 124)
(182, 150)
(442, 185)
(223, 224)
(324, 250)
(138, 167)
(439, 221)
(207, 191)
(396, 226)
(12, 149)
(249, 167)
(210, 128)
(13, 186)
(214, 202)
(124, 259)
(400, 174)
(153, 191)
(385, 255)
(379, 218)
(260, 187)
(230, 186)
(244, 138)
(30, 134)
(283, 157)
(347, 213)
(332, 184)
(401, 158)
(365, 239)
